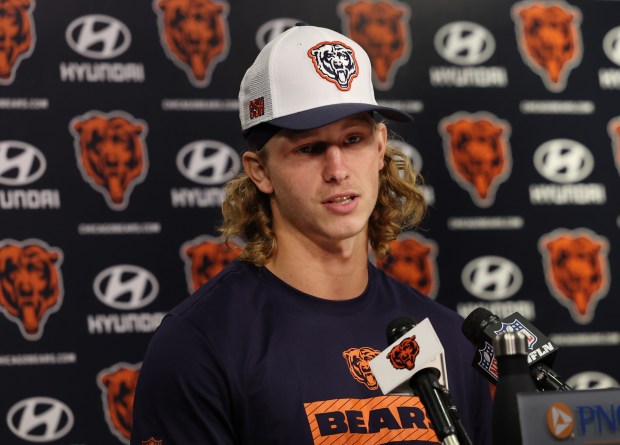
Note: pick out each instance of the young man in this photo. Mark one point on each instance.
(275, 349)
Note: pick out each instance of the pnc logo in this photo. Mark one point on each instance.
(563, 161)
(576, 269)
(611, 45)
(273, 28)
(194, 35)
(549, 39)
(18, 36)
(560, 421)
(126, 287)
(382, 29)
(208, 162)
(118, 388)
(464, 43)
(20, 163)
(98, 36)
(492, 278)
(40, 419)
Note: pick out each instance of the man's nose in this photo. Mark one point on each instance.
(336, 169)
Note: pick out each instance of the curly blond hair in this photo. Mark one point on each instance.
(400, 205)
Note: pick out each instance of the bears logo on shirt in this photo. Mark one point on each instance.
(358, 362)
(549, 39)
(403, 355)
(194, 34)
(18, 36)
(576, 269)
(31, 284)
(381, 28)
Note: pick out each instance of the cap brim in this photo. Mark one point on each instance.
(318, 117)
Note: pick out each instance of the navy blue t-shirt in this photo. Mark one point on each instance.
(249, 360)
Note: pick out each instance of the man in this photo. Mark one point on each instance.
(275, 349)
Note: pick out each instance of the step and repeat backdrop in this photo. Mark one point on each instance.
(119, 127)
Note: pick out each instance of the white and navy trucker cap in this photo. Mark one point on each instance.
(305, 78)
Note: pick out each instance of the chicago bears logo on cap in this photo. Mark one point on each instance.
(335, 62)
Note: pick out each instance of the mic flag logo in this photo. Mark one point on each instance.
(477, 153)
(336, 63)
(403, 356)
(204, 257)
(517, 326)
(488, 362)
(560, 421)
(30, 284)
(358, 362)
(576, 269)
(549, 39)
(111, 153)
(194, 35)
(413, 261)
(118, 388)
(381, 28)
(18, 36)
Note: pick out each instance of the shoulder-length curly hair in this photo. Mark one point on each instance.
(400, 205)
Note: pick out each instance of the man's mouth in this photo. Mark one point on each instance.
(342, 199)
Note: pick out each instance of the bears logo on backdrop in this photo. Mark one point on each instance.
(31, 284)
(111, 153)
(382, 29)
(613, 128)
(118, 387)
(549, 39)
(18, 36)
(205, 257)
(477, 153)
(358, 362)
(413, 260)
(576, 269)
(194, 35)
(403, 355)
(335, 62)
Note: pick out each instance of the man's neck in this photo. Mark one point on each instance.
(333, 275)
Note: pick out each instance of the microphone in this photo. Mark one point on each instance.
(481, 326)
(415, 361)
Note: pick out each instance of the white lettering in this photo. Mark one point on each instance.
(197, 197)
(102, 72)
(29, 199)
(563, 194)
(481, 76)
(124, 323)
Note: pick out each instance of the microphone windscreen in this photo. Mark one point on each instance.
(399, 327)
(476, 322)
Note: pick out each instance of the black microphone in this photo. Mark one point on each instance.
(435, 397)
(481, 326)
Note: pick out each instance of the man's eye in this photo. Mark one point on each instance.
(306, 149)
(353, 139)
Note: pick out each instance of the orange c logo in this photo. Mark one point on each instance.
(560, 421)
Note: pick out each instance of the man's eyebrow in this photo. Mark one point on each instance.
(296, 135)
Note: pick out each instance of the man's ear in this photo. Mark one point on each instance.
(382, 142)
(257, 172)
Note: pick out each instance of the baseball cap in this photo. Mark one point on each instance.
(305, 78)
